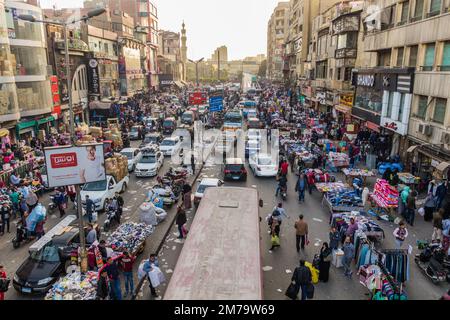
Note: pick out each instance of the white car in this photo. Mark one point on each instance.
(252, 147)
(170, 146)
(99, 191)
(254, 134)
(149, 164)
(133, 155)
(263, 165)
(204, 184)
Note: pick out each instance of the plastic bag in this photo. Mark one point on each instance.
(421, 211)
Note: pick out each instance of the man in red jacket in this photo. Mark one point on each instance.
(284, 168)
(2, 276)
(311, 180)
(126, 262)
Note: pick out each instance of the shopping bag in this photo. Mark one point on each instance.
(310, 291)
(184, 230)
(421, 211)
(292, 291)
(4, 284)
(154, 276)
(275, 240)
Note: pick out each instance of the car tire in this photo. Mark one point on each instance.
(124, 187)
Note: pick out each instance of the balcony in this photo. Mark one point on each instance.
(443, 68)
(345, 53)
(350, 23)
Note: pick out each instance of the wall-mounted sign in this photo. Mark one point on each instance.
(366, 80)
(321, 97)
(346, 100)
(93, 77)
(391, 125)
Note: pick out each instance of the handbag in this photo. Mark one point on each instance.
(292, 291)
(4, 284)
(310, 291)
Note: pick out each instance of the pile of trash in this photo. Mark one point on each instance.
(74, 286)
(129, 236)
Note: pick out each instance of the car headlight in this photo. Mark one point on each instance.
(44, 281)
(16, 277)
(97, 200)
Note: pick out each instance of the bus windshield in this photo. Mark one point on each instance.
(233, 118)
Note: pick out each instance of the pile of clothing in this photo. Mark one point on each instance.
(347, 198)
(74, 286)
(129, 236)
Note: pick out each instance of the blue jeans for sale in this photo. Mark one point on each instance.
(129, 283)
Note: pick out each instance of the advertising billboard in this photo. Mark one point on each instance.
(74, 165)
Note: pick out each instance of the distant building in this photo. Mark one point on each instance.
(277, 30)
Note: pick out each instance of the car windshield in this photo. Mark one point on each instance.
(233, 117)
(168, 124)
(187, 116)
(265, 161)
(168, 143)
(95, 186)
(253, 123)
(150, 139)
(233, 167)
(47, 254)
(148, 159)
(134, 129)
(202, 188)
(129, 155)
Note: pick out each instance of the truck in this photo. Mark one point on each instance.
(99, 191)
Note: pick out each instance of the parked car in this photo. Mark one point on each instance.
(136, 133)
(234, 169)
(151, 138)
(99, 191)
(204, 184)
(263, 165)
(133, 155)
(169, 146)
(149, 164)
(169, 125)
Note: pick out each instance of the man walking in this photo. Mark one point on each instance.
(302, 278)
(5, 212)
(301, 228)
(127, 262)
(411, 207)
(349, 255)
(193, 163)
(113, 273)
(300, 187)
(89, 208)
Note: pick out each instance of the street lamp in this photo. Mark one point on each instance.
(90, 14)
(196, 67)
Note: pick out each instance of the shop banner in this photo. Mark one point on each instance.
(346, 100)
(93, 76)
(74, 165)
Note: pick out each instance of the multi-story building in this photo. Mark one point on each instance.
(277, 31)
(220, 56)
(249, 65)
(412, 36)
(25, 94)
(169, 59)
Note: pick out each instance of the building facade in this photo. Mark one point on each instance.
(277, 31)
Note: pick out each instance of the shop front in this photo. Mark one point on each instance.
(25, 130)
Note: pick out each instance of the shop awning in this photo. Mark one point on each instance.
(179, 84)
(343, 109)
(411, 149)
(443, 166)
(45, 120)
(27, 124)
(99, 105)
(4, 132)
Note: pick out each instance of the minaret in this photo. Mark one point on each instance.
(184, 50)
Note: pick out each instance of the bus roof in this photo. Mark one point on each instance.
(221, 258)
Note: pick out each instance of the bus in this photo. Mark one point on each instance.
(221, 258)
(233, 121)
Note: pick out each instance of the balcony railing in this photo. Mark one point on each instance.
(418, 18)
(426, 68)
(443, 68)
(433, 13)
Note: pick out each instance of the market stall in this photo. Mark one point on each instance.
(370, 228)
(75, 286)
(130, 237)
(350, 174)
(337, 160)
(384, 200)
(342, 200)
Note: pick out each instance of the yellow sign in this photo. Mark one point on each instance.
(350, 128)
(346, 100)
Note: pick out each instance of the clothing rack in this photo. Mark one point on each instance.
(398, 289)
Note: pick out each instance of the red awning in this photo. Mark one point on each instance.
(373, 126)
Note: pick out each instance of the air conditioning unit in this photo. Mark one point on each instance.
(445, 138)
(427, 130)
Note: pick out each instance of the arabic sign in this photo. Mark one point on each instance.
(93, 76)
(346, 100)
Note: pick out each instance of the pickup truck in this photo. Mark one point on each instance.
(101, 190)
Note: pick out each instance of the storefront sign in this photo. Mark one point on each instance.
(366, 80)
(434, 163)
(391, 125)
(93, 77)
(321, 97)
(346, 100)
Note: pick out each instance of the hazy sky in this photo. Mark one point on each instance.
(241, 25)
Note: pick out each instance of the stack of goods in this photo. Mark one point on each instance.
(365, 225)
(344, 198)
(382, 167)
(358, 172)
(385, 195)
(74, 286)
(27, 99)
(86, 139)
(115, 136)
(408, 178)
(7, 64)
(83, 129)
(332, 186)
(338, 159)
(4, 102)
(96, 132)
(129, 237)
(117, 166)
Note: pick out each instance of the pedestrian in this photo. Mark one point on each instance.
(300, 187)
(411, 208)
(193, 163)
(429, 206)
(148, 266)
(349, 255)
(351, 229)
(404, 196)
(32, 200)
(302, 277)
(282, 185)
(275, 234)
(437, 226)
(91, 236)
(127, 262)
(60, 202)
(113, 272)
(441, 193)
(334, 238)
(3, 277)
(103, 286)
(14, 196)
(311, 180)
(187, 192)
(301, 228)
(400, 234)
(181, 220)
(279, 213)
(324, 262)
(89, 208)
(284, 168)
(5, 212)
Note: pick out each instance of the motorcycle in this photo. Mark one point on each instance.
(21, 236)
(111, 217)
(283, 192)
(434, 263)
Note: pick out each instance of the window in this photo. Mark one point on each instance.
(435, 7)
(401, 106)
(400, 52)
(413, 56)
(439, 110)
(348, 74)
(106, 48)
(347, 40)
(384, 58)
(418, 10)
(330, 74)
(367, 98)
(446, 57)
(422, 107)
(429, 57)
(338, 73)
(390, 104)
(404, 14)
(321, 72)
